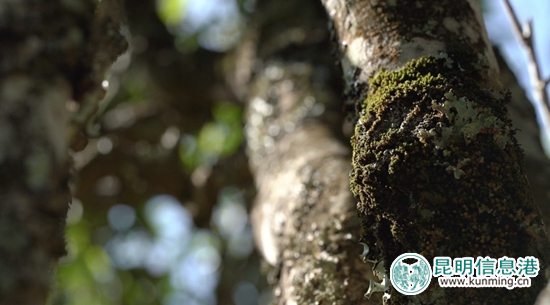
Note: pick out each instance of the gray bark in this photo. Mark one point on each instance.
(52, 55)
(537, 164)
(304, 216)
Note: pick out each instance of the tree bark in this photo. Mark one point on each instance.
(537, 164)
(304, 216)
(436, 165)
(52, 55)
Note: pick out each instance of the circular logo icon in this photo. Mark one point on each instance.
(410, 273)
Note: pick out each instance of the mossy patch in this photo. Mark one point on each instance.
(438, 172)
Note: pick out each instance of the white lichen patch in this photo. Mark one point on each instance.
(461, 28)
(356, 54)
(419, 47)
(468, 120)
(424, 134)
(470, 32)
(451, 24)
(457, 170)
(502, 138)
(355, 50)
(466, 110)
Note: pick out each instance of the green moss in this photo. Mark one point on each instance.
(438, 172)
(395, 84)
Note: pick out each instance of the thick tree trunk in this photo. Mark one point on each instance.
(52, 54)
(435, 163)
(537, 164)
(304, 216)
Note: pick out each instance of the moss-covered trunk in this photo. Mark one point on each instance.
(53, 57)
(435, 163)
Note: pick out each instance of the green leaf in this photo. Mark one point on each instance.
(171, 12)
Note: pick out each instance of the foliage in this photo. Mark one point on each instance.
(216, 139)
(130, 232)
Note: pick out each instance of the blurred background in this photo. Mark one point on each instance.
(160, 213)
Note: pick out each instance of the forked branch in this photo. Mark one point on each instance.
(524, 34)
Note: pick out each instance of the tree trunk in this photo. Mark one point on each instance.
(537, 164)
(435, 162)
(436, 166)
(53, 57)
(304, 216)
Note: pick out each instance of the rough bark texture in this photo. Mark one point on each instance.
(537, 164)
(304, 216)
(435, 163)
(52, 54)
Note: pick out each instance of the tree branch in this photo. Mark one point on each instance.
(524, 35)
(304, 217)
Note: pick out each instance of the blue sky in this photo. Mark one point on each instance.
(500, 32)
(203, 12)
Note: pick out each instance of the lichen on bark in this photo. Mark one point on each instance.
(438, 172)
